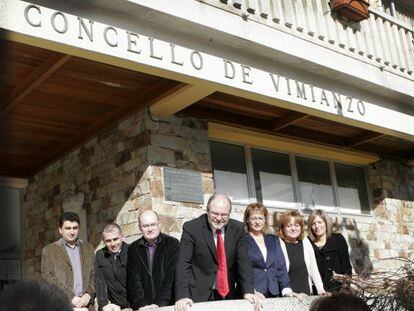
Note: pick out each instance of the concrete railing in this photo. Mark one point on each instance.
(279, 304)
(381, 40)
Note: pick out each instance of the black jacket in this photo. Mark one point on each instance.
(333, 256)
(111, 286)
(197, 265)
(145, 288)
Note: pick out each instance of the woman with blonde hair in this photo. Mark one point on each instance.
(331, 249)
(299, 255)
(270, 277)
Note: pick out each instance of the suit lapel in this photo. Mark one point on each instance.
(228, 239)
(63, 253)
(209, 238)
(256, 250)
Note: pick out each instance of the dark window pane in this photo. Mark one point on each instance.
(229, 169)
(272, 177)
(352, 187)
(315, 182)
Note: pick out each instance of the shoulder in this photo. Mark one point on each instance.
(273, 239)
(195, 224)
(235, 224)
(51, 247)
(168, 239)
(337, 237)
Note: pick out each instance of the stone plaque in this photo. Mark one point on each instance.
(182, 185)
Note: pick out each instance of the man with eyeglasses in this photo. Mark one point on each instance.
(151, 265)
(213, 259)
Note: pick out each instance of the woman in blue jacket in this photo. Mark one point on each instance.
(270, 277)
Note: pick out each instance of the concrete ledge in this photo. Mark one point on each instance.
(279, 304)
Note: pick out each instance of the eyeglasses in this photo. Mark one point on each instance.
(217, 215)
(261, 219)
(147, 226)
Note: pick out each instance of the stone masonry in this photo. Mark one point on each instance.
(119, 173)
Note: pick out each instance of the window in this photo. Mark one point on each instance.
(283, 180)
(229, 169)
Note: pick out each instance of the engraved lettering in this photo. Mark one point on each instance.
(361, 107)
(173, 60)
(151, 40)
(26, 15)
(288, 86)
(312, 93)
(132, 42)
(324, 99)
(89, 32)
(64, 24)
(300, 90)
(229, 74)
(275, 83)
(110, 43)
(196, 60)
(350, 109)
(337, 100)
(246, 74)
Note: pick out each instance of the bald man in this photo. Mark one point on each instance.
(151, 265)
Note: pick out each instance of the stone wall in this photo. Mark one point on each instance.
(120, 172)
(113, 177)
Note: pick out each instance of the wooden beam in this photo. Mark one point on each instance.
(363, 138)
(151, 95)
(181, 98)
(289, 119)
(36, 78)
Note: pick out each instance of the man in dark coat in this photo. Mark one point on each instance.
(110, 270)
(151, 265)
(199, 276)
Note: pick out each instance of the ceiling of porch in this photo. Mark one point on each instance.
(51, 103)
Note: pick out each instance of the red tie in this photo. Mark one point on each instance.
(222, 280)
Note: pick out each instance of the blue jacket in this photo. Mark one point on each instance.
(270, 277)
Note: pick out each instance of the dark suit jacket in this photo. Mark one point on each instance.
(57, 269)
(197, 264)
(145, 287)
(270, 277)
(110, 284)
(333, 256)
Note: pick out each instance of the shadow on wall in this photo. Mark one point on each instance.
(359, 249)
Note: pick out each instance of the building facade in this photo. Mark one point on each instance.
(113, 107)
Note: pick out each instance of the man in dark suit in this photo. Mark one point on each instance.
(151, 265)
(213, 258)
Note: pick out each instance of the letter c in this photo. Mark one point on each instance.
(26, 15)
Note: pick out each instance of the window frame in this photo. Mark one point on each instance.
(298, 204)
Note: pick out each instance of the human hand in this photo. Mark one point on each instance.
(299, 296)
(85, 299)
(183, 304)
(76, 302)
(148, 307)
(260, 296)
(255, 300)
(111, 307)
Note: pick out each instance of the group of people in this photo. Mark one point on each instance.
(217, 258)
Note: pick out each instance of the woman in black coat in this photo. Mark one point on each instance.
(331, 250)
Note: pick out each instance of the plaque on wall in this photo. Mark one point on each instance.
(183, 185)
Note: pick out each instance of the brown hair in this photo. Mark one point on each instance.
(285, 218)
(339, 302)
(325, 218)
(258, 208)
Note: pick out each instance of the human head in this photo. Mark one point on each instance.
(112, 237)
(34, 296)
(284, 230)
(148, 222)
(314, 217)
(69, 227)
(218, 211)
(251, 220)
(339, 302)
